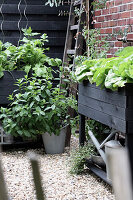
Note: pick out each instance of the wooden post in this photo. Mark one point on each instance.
(82, 130)
(36, 176)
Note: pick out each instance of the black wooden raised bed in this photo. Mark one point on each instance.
(112, 108)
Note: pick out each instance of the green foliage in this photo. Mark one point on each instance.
(98, 45)
(100, 4)
(74, 123)
(28, 56)
(77, 158)
(36, 108)
(97, 128)
(110, 73)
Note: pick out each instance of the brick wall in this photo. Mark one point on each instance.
(113, 19)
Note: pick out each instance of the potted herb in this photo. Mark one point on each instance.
(37, 108)
(15, 62)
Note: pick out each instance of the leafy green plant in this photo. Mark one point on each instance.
(110, 73)
(99, 130)
(100, 4)
(98, 45)
(36, 108)
(77, 158)
(28, 56)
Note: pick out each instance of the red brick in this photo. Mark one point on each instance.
(118, 44)
(131, 13)
(122, 22)
(110, 4)
(105, 11)
(118, 2)
(113, 23)
(126, 1)
(102, 31)
(125, 14)
(130, 36)
(122, 8)
(113, 10)
(129, 21)
(109, 56)
(108, 17)
(97, 12)
(116, 30)
(105, 24)
(107, 4)
(116, 16)
(100, 19)
(108, 31)
(130, 6)
(98, 25)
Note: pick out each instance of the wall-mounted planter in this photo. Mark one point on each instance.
(7, 84)
(114, 109)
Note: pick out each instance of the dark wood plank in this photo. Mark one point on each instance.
(4, 100)
(41, 2)
(53, 41)
(55, 55)
(102, 106)
(33, 9)
(35, 25)
(7, 84)
(102, 95)
(109, 120)
(124, 91)
(13, 75)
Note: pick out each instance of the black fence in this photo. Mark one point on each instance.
(18, 14)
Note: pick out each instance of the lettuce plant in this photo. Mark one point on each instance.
(110, 73)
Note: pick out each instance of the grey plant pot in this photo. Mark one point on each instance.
(55, 144)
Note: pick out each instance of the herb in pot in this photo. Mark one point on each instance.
(28, 56)
(36, 108)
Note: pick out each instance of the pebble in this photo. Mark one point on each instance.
(57, 183)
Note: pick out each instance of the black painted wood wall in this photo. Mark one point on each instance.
(17, 14)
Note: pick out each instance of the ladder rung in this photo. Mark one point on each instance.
(74, 27)
(71, 51)
(77, 2)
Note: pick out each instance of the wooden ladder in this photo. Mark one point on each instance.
(74, 31)
(73, 47)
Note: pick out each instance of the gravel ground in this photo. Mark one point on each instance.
(58, 184)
